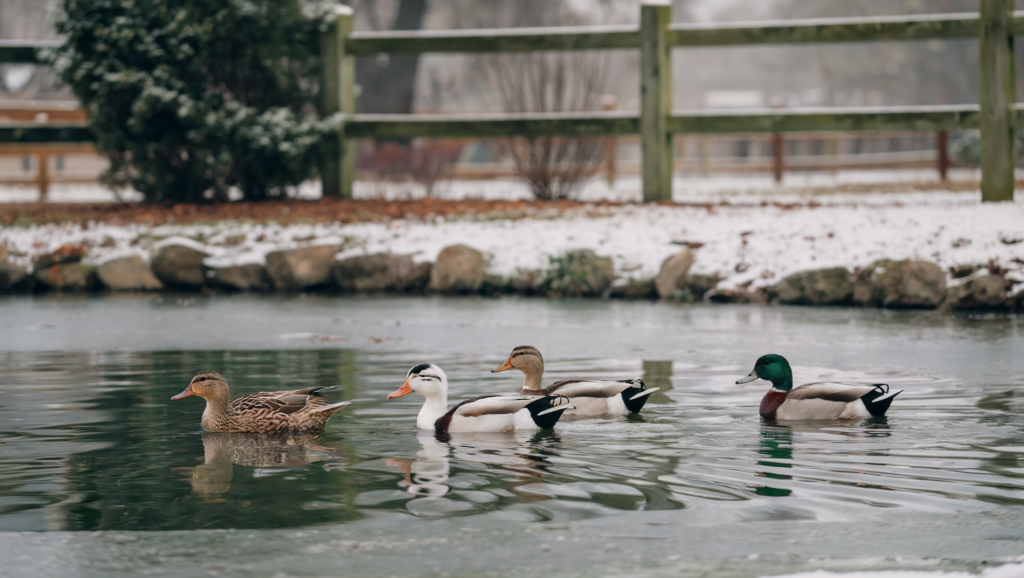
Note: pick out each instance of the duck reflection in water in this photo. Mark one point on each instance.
(223, 451)
(426, 475)
(776, 451)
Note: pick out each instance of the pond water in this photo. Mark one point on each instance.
(100, 474)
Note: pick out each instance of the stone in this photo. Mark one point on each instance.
(302, 268)
(737, 296)
(458, 269)
(127, 274)
(179, 266)
(641, 289)
(831, 286)
(698, 285)
(961, 271)
(66, 277)
(11, 275)
(982, 293)
(900, 285)
(67, 253)
(580, 273)
(1017, 301)
(251, 277)
(674, 274)
(4, 254)
(380, 272)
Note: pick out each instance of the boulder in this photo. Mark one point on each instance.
(127, 274)
(179, 266)
(10, 275)
(674, 274)
(698, 285)
(900, 285)
(459, 269)
(66, 277)
(251, 277)
(738, 296)
(983, 293)
(380, 272)
(1017, 301)
(580, 273)
(832, 286)
(302, 268)
(68, 253)
(642, 289)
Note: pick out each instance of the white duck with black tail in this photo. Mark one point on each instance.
(488, 413)
(816, 401)
(590, 396)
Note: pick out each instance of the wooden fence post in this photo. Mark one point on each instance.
(942, 146)
(997, 97)
(43, 175)
(655, 99)
(337, 94)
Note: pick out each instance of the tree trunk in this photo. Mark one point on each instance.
(387, 84)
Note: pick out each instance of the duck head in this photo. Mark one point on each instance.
(527, 359)
(773, 368)
(208, 385)
(425, 379)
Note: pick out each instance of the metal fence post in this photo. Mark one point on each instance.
(655, 99)
(997, 97)
(337, 166)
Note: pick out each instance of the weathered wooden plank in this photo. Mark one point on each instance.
(922, 118)
(17, 132)
(655, 100)
(337, 163)
(493, 40)
(956, 25)
(996, 94)
(23, 51)
(491, 125)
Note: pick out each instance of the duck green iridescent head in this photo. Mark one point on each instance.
(774, 368)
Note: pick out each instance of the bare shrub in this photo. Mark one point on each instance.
(423, 161)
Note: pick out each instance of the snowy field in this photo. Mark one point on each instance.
(747, 230)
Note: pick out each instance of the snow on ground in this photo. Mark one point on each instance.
(755, 236)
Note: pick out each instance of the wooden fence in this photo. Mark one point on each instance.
(996, 114)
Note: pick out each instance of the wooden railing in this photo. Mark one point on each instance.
(996, 114)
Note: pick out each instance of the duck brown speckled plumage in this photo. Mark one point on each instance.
(296, 411)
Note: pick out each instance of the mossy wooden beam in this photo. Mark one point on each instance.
(337, 95)
(493, 40)
(28, 132)
(491, 125)
(23, 51)
(915, 118)
(958, 25)
(996, 95)
(655, 100)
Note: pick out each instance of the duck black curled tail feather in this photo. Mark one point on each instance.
(879, 399)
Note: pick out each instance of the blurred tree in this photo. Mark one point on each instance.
(189, 98)
(387, 83)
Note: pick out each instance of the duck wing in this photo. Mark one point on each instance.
(591, 387)
(492, 405)
(280, 401)
(840, 392)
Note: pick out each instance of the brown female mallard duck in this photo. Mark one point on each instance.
(297, 411)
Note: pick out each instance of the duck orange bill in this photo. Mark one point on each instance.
(187, 393)
(404, 390)
(504, 367)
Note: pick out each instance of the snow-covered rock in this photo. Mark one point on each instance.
(980, 293)
(179, 265)
(458, 269)
(66, 277)
(831, 286)
(900, 284)
(129, 273)
(380, 272)
(302, 268)
(250, 277)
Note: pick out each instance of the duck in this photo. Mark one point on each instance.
(590, 396)
(816, 401)
(295, 411)
(487, 413)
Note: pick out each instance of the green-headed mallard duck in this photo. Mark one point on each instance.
(297, 411)
(488, 413)
(815, 401)
(590, 396)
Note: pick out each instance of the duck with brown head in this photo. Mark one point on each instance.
(297, 411)
(590, 396)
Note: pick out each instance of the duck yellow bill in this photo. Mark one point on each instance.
(404, 390)
(504, 367)
(187, 393)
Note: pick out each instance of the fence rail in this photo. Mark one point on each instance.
(996, 114)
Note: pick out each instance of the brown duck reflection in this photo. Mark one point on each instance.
(225, 450)
(776, 451)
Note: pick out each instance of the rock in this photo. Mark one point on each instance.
(579, 273)
(738, 296)
(4, 254)
(380, 272)
(642, 289)
(900, 285)
(303, 268)
(127, 274)
(984, 293)
(251, 277)
(1017, 301)
(179, 266)
(68, 253)
(66, 277)
(459, 269)
(674, 274)
(832, 286)
(10, 276)
(698, 285)
(961, 271)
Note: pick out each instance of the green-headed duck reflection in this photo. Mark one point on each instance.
(777, 452)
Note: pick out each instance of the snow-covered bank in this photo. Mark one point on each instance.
(757, 242)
